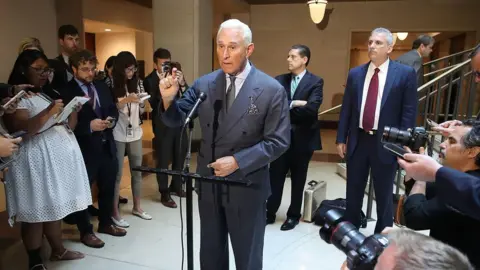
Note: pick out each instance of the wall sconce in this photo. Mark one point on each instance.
(317, 10)
(402, 35)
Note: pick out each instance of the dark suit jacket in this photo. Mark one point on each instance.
(60, 77)
(256, 131)
(304, 120)
(91, 142)
(414, 60)
(445, 224)
(398, 108)
(459, 190)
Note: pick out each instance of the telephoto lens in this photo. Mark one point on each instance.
(362, 252)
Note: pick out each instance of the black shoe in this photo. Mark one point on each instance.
(93, 211)
(289, 224)
(122, 200)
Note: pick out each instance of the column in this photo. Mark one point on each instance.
(184, 27)
(70, 12)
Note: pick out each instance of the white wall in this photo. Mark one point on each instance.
(108, 44)
(19, 20)
(144, 49)
(277, 27)
(125, 13)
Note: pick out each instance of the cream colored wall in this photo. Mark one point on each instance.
(277, 27)
(19, 20)
(125, 13)
(108, 44)
(144, 49)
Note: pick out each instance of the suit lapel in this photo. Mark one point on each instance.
(361, 83)
(218, 90)
(304, 82)
(246, 96)
(391, 77)
(288, 83)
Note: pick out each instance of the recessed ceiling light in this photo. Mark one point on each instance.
(108, 30)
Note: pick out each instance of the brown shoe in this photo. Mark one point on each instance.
(112, 230)
(91, 240)
(167, 201)
(179, 193)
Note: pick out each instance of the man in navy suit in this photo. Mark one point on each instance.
(305, 95)
(245, 125)
(93, 129)
(378, 94)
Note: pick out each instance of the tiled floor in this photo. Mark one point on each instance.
(156, 244)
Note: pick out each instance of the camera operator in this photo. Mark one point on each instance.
(450, 184)
(408, 250)
(424, 211)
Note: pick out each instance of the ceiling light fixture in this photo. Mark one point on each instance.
(317, 10)
(402, 35)
(108, 30)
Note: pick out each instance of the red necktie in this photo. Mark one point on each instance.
(371, 103)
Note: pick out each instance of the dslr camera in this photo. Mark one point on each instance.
(362, 252)
(412, 138)
(167, 67)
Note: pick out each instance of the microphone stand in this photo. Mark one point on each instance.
(189, 190)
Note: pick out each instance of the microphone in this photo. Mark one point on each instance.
(200, 99)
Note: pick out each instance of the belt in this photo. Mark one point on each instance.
(371, 132)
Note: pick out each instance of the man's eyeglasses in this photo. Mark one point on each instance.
(43, 71)
(131, 69)
(86, 70)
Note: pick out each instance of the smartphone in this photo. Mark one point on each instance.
(395, 149)
(19, 133)
(111, 119)
(431, 123)
(18, 96)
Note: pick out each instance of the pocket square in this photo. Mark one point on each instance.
(252, 108)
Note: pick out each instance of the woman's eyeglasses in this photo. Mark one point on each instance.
(43, 71)
(131, 69)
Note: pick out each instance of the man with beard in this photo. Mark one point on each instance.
(93, 130)
(423, 210)
(69, 41)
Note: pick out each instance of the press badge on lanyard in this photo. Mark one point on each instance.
(129, 127)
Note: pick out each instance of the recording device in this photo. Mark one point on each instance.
(412, 138)
(395, 149)
(14, 99)
(201, 97)
(167, 67)
(362, 252)
(110, 120)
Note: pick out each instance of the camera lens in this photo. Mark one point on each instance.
(394, 135)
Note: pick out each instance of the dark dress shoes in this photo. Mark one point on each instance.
(270, 220)
(289, 224)
(93, 211)
(167, 200)
(122, 200)
(112, 230)
(91, 240)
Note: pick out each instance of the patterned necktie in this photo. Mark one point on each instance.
(371, 103)
(293, 86)
(91, 95)
(231, 93)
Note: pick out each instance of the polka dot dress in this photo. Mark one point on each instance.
(48, 180)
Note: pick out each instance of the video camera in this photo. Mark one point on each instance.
(412, 138)
(362, 252)
(167, 67)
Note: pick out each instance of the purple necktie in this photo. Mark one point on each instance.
(371, 103)
(91, 95)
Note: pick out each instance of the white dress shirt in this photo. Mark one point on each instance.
(382, 78)
(240, 78)
(129, 114)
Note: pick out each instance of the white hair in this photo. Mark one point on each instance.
(236, 24)
(386, 32)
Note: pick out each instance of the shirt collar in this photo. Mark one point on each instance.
(80, 83)
(300, 76)
(383, 67)
(242, 75)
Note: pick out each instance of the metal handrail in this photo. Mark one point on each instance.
(421, 88)
(448, 56)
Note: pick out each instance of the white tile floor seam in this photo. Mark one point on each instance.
(155, 244)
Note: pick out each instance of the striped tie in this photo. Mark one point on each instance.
(293, 86)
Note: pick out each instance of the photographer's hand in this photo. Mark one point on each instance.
(169, 88)
(420, 167)
(447, 127)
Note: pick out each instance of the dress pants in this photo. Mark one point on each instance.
(103, 171)
(246, 226)
(168, 150)
(297, 162)
(363, 159)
